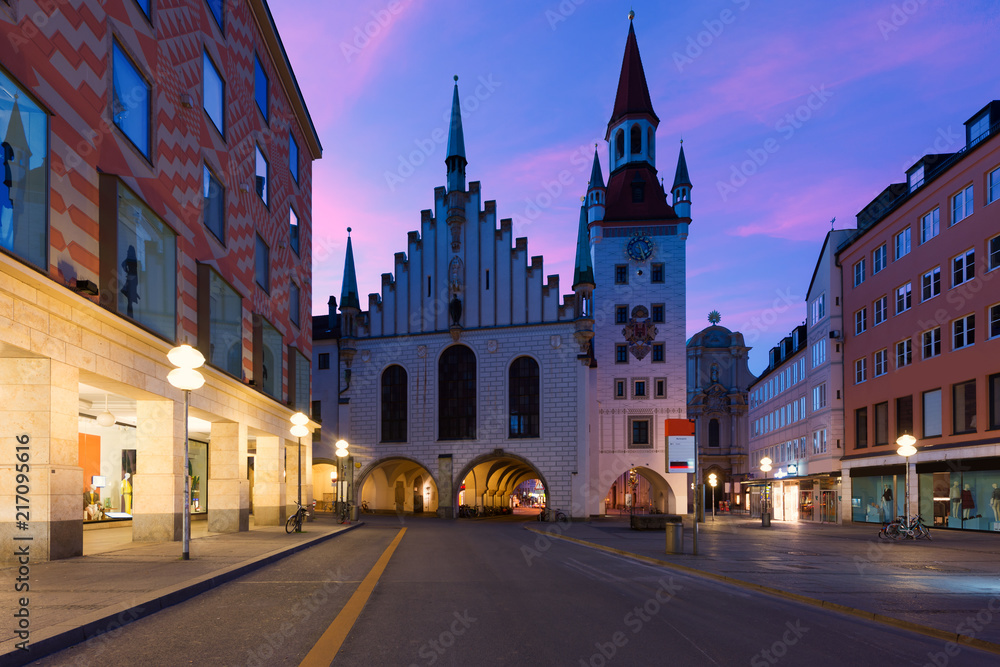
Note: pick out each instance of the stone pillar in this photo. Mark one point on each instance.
(446, 493)
(292, 472)
(228, 487)
(39, 413)
(160, 470)
(269, 481)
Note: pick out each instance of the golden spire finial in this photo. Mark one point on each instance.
(631, 14)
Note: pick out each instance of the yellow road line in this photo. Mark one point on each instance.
(325, 650)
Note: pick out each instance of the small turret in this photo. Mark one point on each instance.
(583, 285)
(456, 146)
(682, 187)
(350, 305)
(596, 192)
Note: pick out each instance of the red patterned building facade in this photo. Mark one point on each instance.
(157, 191)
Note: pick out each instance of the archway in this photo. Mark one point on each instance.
(646, 492)
(495, 484)
(398, 485)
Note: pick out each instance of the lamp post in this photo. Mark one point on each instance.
(906, 450)
(713, 480)
(186, 378)
(299, 430)
(765, 465)
(341, 453)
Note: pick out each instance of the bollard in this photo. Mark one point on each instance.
(765, 519)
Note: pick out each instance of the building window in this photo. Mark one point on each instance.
(963, 268)
(660, 387)
(293, 230)
(639, 389)
(881, 310)
(994, 259)
(658, 352)
(904, 297)
(818, 308)
(995, 321)
(524, 398)
(932, 413)
(293, 303)
(916, 179)
(262, 266)
(225, 331)
(993, 383)
(859, 272)
(146, 265)
(819, 353)
(213, 93)
(131, 100)
(621, 314)
(24, 205)
(879, 259)
(964, 407)
(214, 205)
(621, 353)
(260, 85)
(269, 373)
(861, 321)
(620, 388)
(931, 343)
(861, 428)
(293, 157)
(904, 415)
(300, 383)
(860, 370)
(904, 353)
(713, 432)
(930, 225)
(323, 362)
(216, 7)
(903, 243)
(639, 433)
(881, 362)
(963, 332)
(819, 397)
(977, 130)
(656, 273)
(457, 394)
(261, 175)
(881, 424)
(930, 284)
(621, 274)
(619, 144)
(394, 404)
(961, 205)
(657, 313)
(993, 188)
(144, 6)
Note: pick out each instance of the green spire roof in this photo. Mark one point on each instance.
(583, 274)
(349, 290)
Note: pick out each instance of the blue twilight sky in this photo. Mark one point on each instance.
(792, 114)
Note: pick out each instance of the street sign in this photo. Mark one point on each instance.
(680, 453)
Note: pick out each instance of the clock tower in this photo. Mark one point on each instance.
(638, 256)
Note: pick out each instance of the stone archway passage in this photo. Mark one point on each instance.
(398, 485)
(490, 481)
(652, 494)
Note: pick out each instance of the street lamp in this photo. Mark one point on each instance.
(713, 480)
(765, 465)
(341, 453)
(187, 379)
(906, 450)
(632, 482)
(299, 430)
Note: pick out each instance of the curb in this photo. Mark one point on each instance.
(111, 619)
(898, 623)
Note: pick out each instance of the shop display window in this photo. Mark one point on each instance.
(108, 459)
(877, 499)
(968, 500)
(198, 474)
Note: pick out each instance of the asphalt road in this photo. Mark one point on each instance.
(492, 593)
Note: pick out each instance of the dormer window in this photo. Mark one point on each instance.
(977, 129)
(635, 140)
(638, 190)
(620, 145)
(916, 178)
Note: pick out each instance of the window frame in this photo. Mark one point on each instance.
(208, 180)
(258, 69)
(294, 232)
(260, 242)
(859, 272)
(657, 273)
(925, 413)
(207, 61)
(524, 390)
(220, 18)
(621, 353)
(861, 370)
(897, 242)
(881, 365)
(394, 389)
(880, 258)
(904, 351)
(930, 282)
(993, 186)
(295, 304)
(904, 293)
(930, 225)
(963, 267)
(263, 193)
(293, 156)
(965, 197)
(117, 47)
(968, 400)
(861, 320)
(621, 274)
(880, 307)
(934, 342)
(633, 422)
(963, 332)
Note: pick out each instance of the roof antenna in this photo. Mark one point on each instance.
(831, 223)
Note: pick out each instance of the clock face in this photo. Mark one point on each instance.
(639, 248)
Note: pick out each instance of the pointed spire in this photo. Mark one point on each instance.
(681, 177)
(583, 274)
(349, 288)
(456, 146)
(596, 177)
(633, 93)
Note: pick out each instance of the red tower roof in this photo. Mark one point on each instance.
(633, 93)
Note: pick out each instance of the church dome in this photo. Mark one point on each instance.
(714, 336)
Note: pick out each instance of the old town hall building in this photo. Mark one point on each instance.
(472, 372)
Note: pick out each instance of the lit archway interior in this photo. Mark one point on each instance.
(492, 483)
(399, 485)
(650, 493)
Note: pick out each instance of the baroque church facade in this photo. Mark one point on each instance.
(472, 372)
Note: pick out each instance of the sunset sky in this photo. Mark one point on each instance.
(791, 113)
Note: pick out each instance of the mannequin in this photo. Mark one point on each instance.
(995, 503)
(968, 504)
(956, 499)
(126, 489)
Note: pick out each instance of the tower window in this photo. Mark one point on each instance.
(621, 274)
(620, 145)
(635, 140)
(487, 278)
(428, 285)
(457, 394)
(656, 273)
(638, 190)
(523, 390)
(649, 142)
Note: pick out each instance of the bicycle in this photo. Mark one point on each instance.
(345, 513)
(364, 507)
(546, 512)
(898, 529)
(294, 522)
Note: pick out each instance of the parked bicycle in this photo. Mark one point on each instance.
(345, 512)
(899, 529)
(294, 522)
(548, 513)
(364, 507)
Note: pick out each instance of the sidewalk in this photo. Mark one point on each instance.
(946, 587)
(119, 580)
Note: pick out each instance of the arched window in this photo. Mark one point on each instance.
(523, 398)
(620, 145)
(713, 433)
(650, 143)
(457, 394)
(635, 140)
(394, 404)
